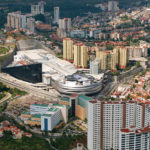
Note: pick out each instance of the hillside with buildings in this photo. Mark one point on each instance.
(69, 8)
(76, 75)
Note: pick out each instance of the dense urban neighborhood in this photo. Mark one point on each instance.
(75, 75)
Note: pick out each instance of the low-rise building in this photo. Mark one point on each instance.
(50, 119)
(38, 109)
(16, 132)
(33, 122)
(78, 34)
(47, 116)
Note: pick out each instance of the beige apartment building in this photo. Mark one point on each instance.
(123, 57)
(68, 49)
(108, 60)
(80, 55)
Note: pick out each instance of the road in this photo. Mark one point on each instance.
(107, 89)
(8, 95)
(35, 91)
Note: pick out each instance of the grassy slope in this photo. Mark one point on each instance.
(34, 143)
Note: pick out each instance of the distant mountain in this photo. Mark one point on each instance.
(68, 8)
(65, 4)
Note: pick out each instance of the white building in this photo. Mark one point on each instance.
(134, 139)
(64, 27)
(94, 66)
(137, 52)
(38, 109)
(46, 79)
(17, 20)
(23, 21)
(65, 24)
(60, 72)
(56, 15)
(106, 119)
(50, 119)
(64, 111)
(77, 34)
(38, 9)
(31, 24)
(112, 6)
(51, 115)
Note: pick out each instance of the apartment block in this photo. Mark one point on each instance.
(80, 55)
(123, 57)
(113, 59)
(56, 15)
(68, 49)
(38, 9)
(107, 121)
(16, 20)
(132, 138)
(108, 60)
(65, 24)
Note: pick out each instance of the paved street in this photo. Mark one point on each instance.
(28, 88)
(8, 95)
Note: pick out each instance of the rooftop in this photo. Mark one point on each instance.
(50, 61)
(26, 113)
(59, 105)
(136, 131)
(31, 119)
(53, 109)
(36, 116)
(65, 99)
(42, 105)
(85, 97)
(47, 115)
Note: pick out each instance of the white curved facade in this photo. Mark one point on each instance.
(92, 88)
(64, 77)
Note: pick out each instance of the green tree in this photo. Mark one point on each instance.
(138, 64)
(129, 96)
(136, 81)
(40, 17)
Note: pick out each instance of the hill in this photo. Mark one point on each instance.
(68, 8)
